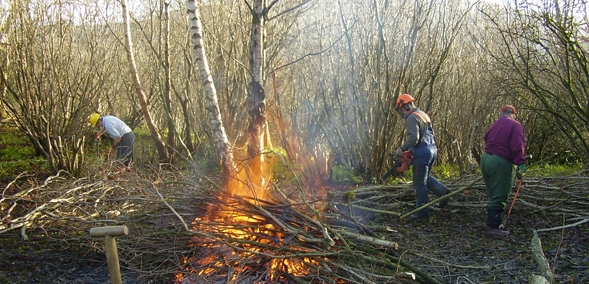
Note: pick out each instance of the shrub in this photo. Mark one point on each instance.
(343, 174)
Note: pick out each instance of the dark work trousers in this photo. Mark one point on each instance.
(498, 174)
(425, 154)
(424, 182)
(125, 149)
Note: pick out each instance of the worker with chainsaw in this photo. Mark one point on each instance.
(121, 134)
(421, 144)
(504, 158)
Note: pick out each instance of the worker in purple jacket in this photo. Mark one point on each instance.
(504, 158)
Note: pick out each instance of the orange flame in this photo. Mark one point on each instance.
(255, 232)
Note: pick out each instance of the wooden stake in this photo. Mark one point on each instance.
(110, 246)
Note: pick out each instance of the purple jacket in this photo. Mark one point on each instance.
(505, 138)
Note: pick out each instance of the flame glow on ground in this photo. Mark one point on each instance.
(238, 242)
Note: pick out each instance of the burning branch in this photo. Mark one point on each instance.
(285, 243)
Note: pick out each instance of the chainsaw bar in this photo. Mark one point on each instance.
(402, 163)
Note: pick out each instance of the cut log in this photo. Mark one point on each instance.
(540, 259)
(537, 279)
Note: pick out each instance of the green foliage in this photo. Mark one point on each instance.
(445, 171)
(17, 155)
(282, 170)
(142, 131)
(8, 138)
(550, 169)
(10, 169)
(199, 162)
(343, 174)
(349, 196)
(22, 249)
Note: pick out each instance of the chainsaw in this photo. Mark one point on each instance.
(402, 164)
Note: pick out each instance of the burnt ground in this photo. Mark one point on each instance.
(451, 246)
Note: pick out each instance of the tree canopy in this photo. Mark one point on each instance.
(331, 71)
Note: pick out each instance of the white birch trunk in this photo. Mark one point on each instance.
(212, 103)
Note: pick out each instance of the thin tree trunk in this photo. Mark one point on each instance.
(159, 144)
(168, 105)
(256, 94)
(219, 136)
(256, 97)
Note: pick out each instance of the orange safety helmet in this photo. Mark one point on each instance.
(508, 108)
(404, 99)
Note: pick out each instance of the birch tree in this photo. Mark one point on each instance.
(221, 143)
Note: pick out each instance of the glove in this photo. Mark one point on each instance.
(520, 170)
(399, 152)
(96, 136)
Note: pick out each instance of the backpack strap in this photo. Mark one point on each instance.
(425, 119)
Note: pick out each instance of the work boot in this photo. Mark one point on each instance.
(416, 219)
(496, 232)
(444, 202)
(494, 222)
(494, 217)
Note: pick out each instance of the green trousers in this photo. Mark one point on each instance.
(498, 174)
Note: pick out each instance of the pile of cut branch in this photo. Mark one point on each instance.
(291, 243)
(63, 209)
(331, 238)
(561, 194)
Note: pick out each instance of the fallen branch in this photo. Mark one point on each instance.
(369, 240)
(485, 267)
(394, 262)
(553, 209)
(437, 200)
(386, 212)
(564, 227)
(540, 259)
(171, 208)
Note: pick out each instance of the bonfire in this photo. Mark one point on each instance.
(253, 233)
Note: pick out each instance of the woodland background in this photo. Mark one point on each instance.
(316, 81)
(331, 71)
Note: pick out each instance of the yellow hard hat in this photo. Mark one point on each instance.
(94, 118)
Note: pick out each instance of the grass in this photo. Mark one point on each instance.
(445, 171)
(549, 169)
(17, 154)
